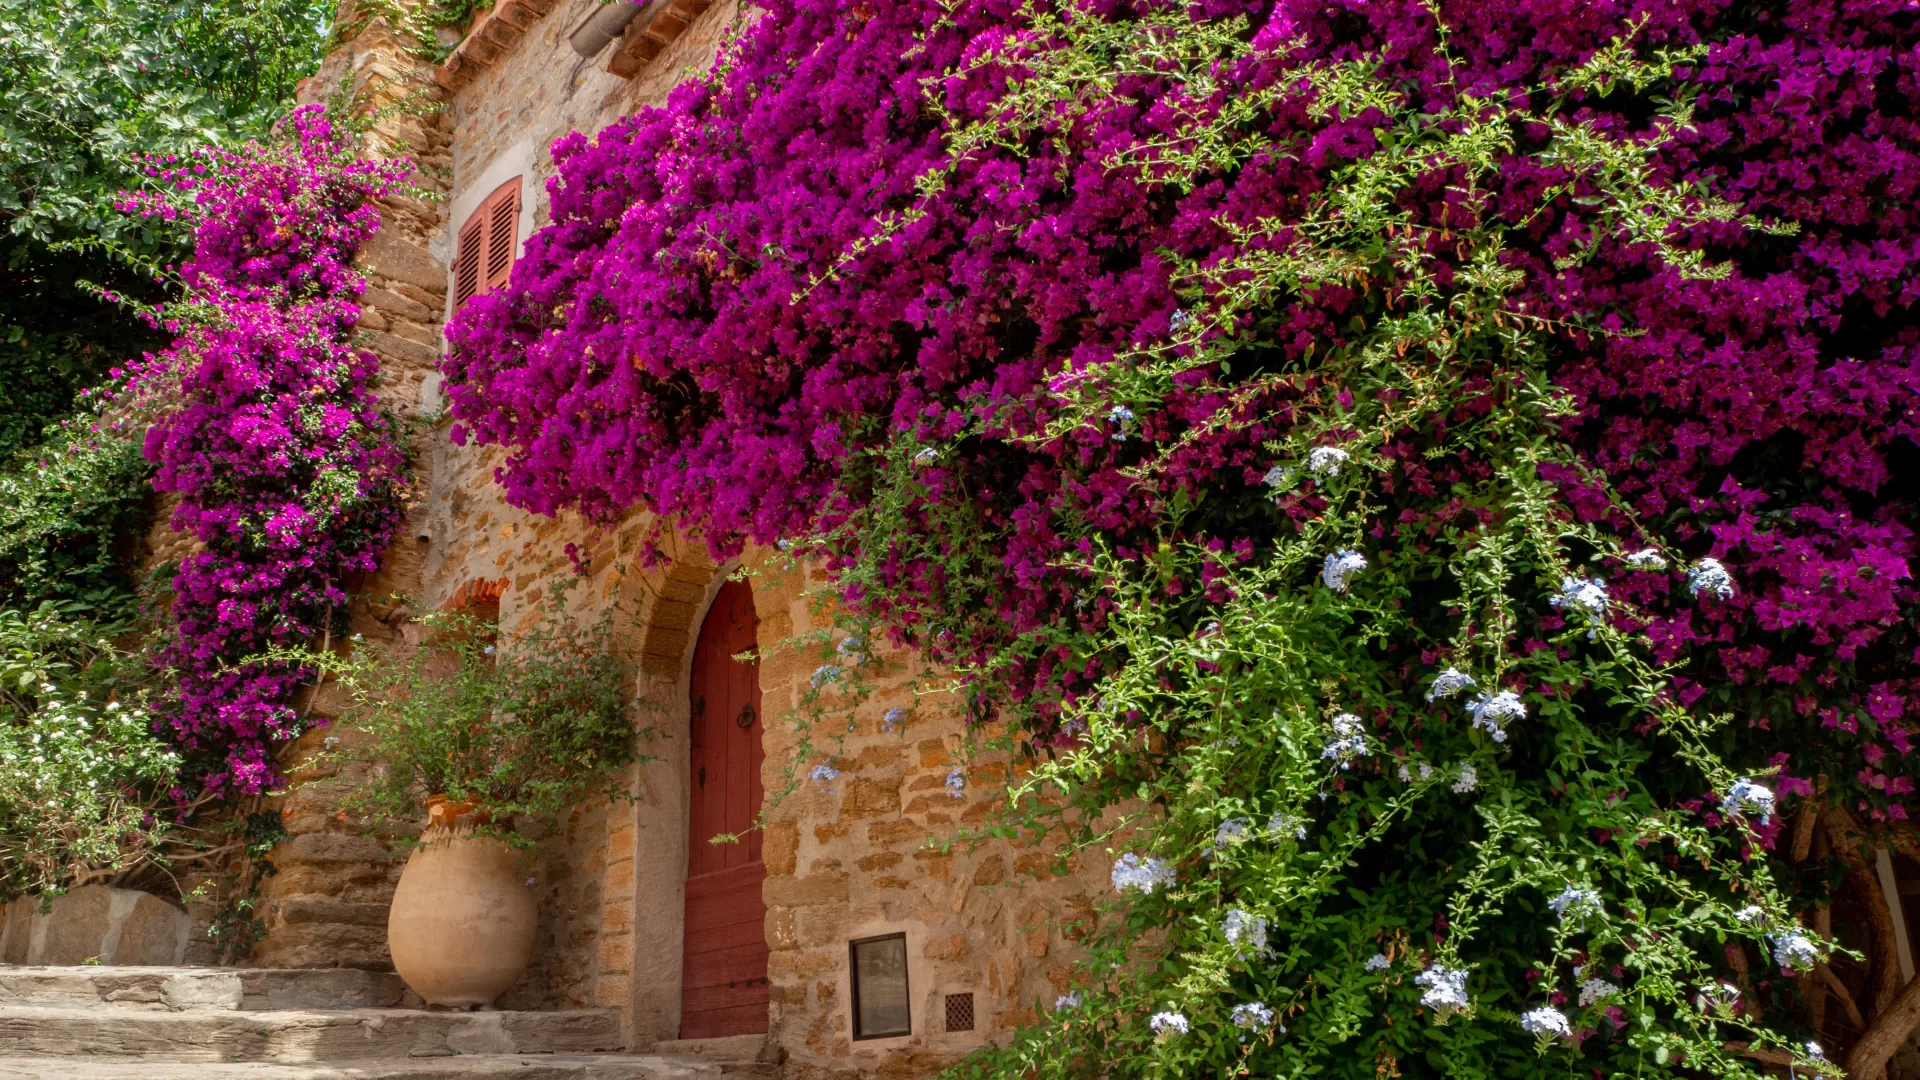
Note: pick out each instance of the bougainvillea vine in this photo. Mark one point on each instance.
(288, 474)
(1411, 410)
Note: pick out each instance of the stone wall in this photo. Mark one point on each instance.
(854, 858)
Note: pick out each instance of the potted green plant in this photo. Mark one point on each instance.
(483, 739)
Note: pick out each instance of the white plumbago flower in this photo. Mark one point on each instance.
(824, 775)
(1340, 566)
(1815, 1052)
(1583, 593)
(1592, 990)
(1426, 771)
(1282, 823)
(927, 456)
(1119, 414)
(1546, 1024)
(1708, 575)
(1377, 962)
(1252, 1014)
(1275, 477)
(1717, 997)
(1450, 682)
(1167, 1025)
(1576, 904)
(1494, 712)
(1247, 933)
(1647, 559)
(956, 783)
(1751, 914)
(1132, 874)
(1747, 797)
(1467, 778)
(1069, 1000)
(1326, 460)
(1405, 774)
(1231, 832)
(1794, 950)
(1446, 990)
(824, 674)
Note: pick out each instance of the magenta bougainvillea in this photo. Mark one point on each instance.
(288, 474)
(710, 326)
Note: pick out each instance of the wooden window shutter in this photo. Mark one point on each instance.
(488, 242)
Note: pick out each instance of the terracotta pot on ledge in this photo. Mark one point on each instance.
(462, 922)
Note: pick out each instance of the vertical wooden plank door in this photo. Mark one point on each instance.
(724, 978)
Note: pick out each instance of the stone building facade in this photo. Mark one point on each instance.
(988, 930)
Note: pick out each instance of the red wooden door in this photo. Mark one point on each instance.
(724, 978)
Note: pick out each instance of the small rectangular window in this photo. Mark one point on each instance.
(881, 1005)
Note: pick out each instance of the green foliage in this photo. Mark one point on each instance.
(65, 507)
(1304, 824)
(84, 86)
(529, 728)
(84, 783)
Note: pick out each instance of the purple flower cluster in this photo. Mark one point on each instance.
(714, 323)
(288, 474)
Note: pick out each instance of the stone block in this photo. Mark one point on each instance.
(879, 860)
(895, 832)
(780, 847)
(945, 947)
(825, 924)
(807, 891)
(153, 933)
(871, 798)
(782, 928)
(75, 930)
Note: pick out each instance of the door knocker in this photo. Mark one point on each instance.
(745, 720)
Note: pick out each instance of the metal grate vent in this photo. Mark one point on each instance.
(959, 1012)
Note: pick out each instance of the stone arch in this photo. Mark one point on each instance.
(643, 912)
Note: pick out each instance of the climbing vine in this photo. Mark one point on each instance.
(265, 425)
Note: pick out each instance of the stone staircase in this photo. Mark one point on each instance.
(122, 1023)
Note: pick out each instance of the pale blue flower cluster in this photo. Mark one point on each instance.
(956, 783)
(1247, 933)
(1752, 914)
(1326, 460)
(1446, 990)
(1718, 997)
(1546, 1024)
(1450, 682)
(1340, 566)
(1069, 1000)
(1794, 950)
(1576, 904)
(1280, 824)
(891, 721)
(1748, 798)
(1590, 594)
(824, 674)
(1275, 477)
(1231, 832)
(824, 775)
(1377, 962)
(1133, 874)
(927, 456)
(1467, 778)
(1592, 990)
(1167, 1025)
(1348, 742)
(1253, 1014)
(1647, 559)
(1708, 575)
(1494, 712)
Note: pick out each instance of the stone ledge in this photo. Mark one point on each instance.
(492, 36)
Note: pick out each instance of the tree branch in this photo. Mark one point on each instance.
(1890, 1028)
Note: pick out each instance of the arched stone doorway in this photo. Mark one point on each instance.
(723, 986)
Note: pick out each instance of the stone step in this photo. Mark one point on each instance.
(482, 1067)
(296, 1036)
(200, 988)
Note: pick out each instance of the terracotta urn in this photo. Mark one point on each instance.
(462, 922)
